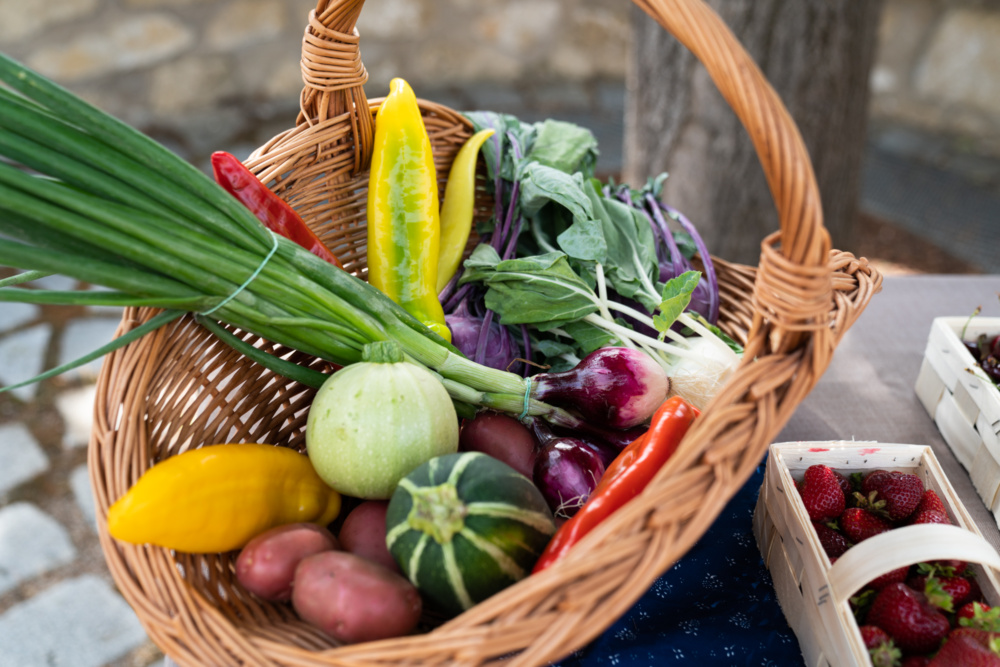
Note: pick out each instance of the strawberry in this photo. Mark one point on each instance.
(860, 524)
(915, 661)
(915, 625)
(833, 541)
(947, 593)
(967, 647)
(930, 509)
(901, 492)
(880, 647)
(821, 493)
(892, 577)
(845, 484)
(979, 615)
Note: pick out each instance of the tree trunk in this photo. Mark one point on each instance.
(817, 55)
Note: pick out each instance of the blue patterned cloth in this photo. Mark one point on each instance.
(716, 606)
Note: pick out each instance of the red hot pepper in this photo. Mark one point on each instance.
(269, 208)
(625, 478)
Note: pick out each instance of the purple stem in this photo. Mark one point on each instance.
(679, 262)
(484, 335)
(706, 260)
(526, 339)
(457, 297)
(512, 241)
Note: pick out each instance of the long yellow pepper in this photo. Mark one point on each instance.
(404, 227)
(218, 498)
(458, 208)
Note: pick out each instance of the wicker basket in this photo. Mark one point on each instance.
(814, 595)
(180, 388)
(963, 402)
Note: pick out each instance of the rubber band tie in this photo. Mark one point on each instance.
(527, 398)
(246, 283)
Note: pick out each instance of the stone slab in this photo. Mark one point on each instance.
(13, 315)
(31, 543)
(79, 622)
(79, 482)
(83, 337)
(22, 457)
(76, 407)
(22, 356)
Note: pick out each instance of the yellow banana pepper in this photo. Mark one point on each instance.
(457, 209)
(404, 228)
(218, 498)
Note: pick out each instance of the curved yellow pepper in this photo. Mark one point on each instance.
(218, 498)
(457, 209)
(404, 228)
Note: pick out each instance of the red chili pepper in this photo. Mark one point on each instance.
(269, 208)
(625, 478)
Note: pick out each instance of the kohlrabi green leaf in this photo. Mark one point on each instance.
(564, 146)
(589, 337)
(541, 184)
(542, 290)
(584, 240)
(631, 266)
(676, 297)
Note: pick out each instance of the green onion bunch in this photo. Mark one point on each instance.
(86, 196)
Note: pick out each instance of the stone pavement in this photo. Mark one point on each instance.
(58, 604)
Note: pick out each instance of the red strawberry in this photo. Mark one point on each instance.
(821, 493)
(880, 647)
(873, 635)
(915, 661)
(900, 491)
(914, 624)
(979, 615)
(966, 647)
(860, 524)
(947, 593)
(893, 577)
(930, 509)
(834, 543)
(845, 484)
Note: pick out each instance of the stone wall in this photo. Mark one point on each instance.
(200, 74)
(939, 69)
(197, 74)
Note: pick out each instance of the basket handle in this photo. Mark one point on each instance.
(333, 75)
(903, 546)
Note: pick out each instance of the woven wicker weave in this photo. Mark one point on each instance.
(180, 388)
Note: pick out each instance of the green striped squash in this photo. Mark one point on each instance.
(465, 526)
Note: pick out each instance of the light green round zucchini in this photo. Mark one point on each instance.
(374, 421)
(464, 526)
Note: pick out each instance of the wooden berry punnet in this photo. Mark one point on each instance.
(963, 401)
(814, 594)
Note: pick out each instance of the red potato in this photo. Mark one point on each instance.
(501, 437)
(363, 533)
(353, 599)
(266, 565)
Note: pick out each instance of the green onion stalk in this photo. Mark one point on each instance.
(86, 196)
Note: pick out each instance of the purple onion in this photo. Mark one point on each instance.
(613, 387)
(566, 472)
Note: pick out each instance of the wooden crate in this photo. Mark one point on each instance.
(964, 402)
(814, 595)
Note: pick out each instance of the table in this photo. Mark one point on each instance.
(716, 606)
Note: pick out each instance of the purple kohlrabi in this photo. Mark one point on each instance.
(482, 339)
